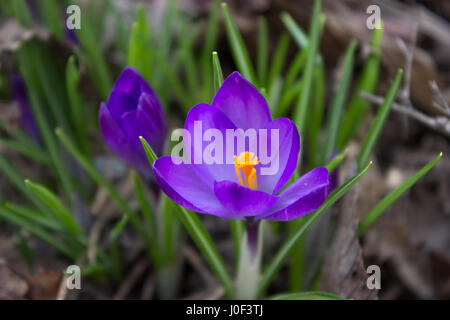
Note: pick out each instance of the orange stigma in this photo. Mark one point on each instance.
(245, 162)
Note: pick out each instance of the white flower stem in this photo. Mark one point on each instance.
(249, 262)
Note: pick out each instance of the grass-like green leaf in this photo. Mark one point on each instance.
(337, 105)
(285, 249)
(388, 200)
(238, 48)
(77, 113)
(55, 204)
(151, 155)
(263, 49)
(50, 15)
(28, 150)
(17, 180)
(101, 181)
(36, 231)
(303, 101)
(204, 242)
(217, 71)
(26, 59)
(149, 218)
(278, 60)
(22, 12)
(367, 82)
(378, 122)
(311, 295)
(140, 49)
(296, 32)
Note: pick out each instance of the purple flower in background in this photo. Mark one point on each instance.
(133, 110)
(239, 190)
(19, 93)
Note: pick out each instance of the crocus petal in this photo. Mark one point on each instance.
(131, 83)
(113, 134)
(119, 103)
(284, 162)
(242, 103)
(242, 200)
(302, 197)
(151, 122)
(209, 118)
(182, 184)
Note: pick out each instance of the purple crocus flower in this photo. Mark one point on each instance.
(239, 190)
(19, 93)
(133, 110)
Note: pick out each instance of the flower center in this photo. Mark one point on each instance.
(245, 163)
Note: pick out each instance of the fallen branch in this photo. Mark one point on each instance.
(440, 124)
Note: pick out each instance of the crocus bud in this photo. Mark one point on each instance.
(133, 110)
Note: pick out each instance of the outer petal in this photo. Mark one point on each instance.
(151, 122)
(182, 184)
(119, 103)
(205, 117)
(285, 159)
(113, 134)
(242, 103)
(131, 83)
(302, 197)
(241, 200)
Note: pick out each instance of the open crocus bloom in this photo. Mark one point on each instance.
(239, 189)
(133, 110)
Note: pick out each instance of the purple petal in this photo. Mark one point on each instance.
(119, 103)
(242, 103)
(151, 122)
(209, 118)
(287, 154)
(131, 83)
(182, 184)
(242, 200)
(113, 134)
(302, 197)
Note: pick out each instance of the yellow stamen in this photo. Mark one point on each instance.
(245, 162)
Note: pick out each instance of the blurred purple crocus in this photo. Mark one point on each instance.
(19, 93)
(133, 110)
(238, 190)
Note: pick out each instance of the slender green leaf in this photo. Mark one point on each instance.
(50, 15)
(337, 105)
(296, 32)
(35, 216)
(367, 82)
(204, 242)
(303, 101)
(238, 48)
(217, 71)
(26, 66)
(22, 12)
(278, 60)
(149, 218)
(312, 295)
(140, 49)
(101, 181)
(76, 106)
(378, 122)
(285, 249)
(28, 150)
(58, 208)
(36, 231)
(262, 57)
(151, 155)
(388, 200)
